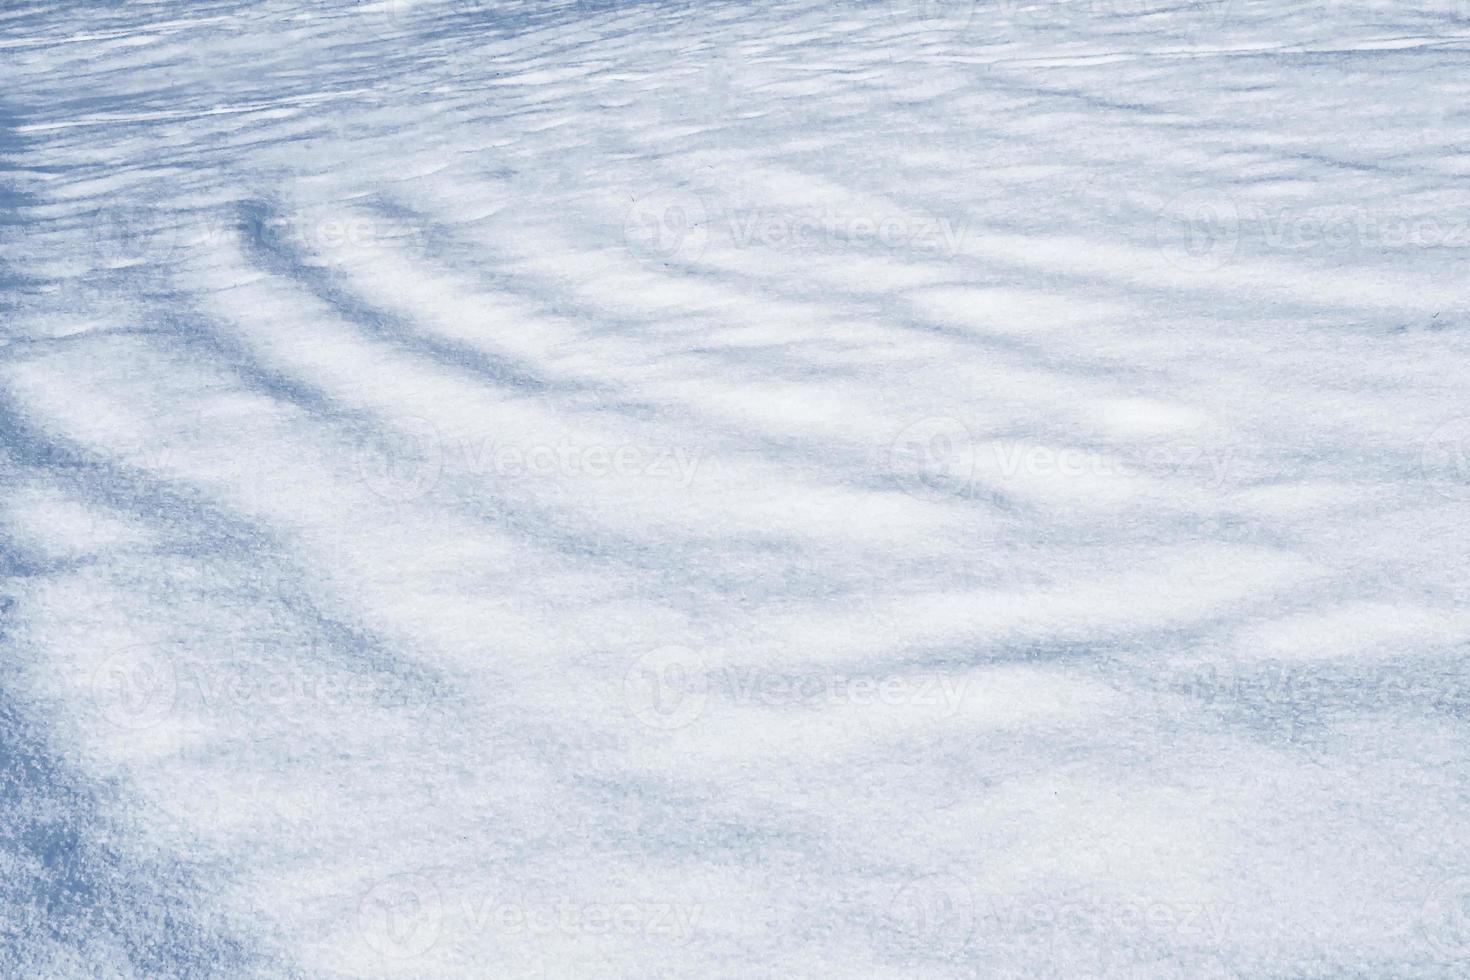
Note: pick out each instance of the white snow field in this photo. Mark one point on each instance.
(810, 488)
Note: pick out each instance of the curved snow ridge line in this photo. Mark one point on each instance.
(269, 241)
(317, 518)
(1111, 260)
(323, 893)
(649, 366)
(1175, 587)
(297, 334)
(271, 107)
(427, 296)
(383, 270)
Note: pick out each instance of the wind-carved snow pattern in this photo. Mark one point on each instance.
(896, 488)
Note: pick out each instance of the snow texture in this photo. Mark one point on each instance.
(810, 488)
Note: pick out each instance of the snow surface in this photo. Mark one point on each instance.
(773, 489)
